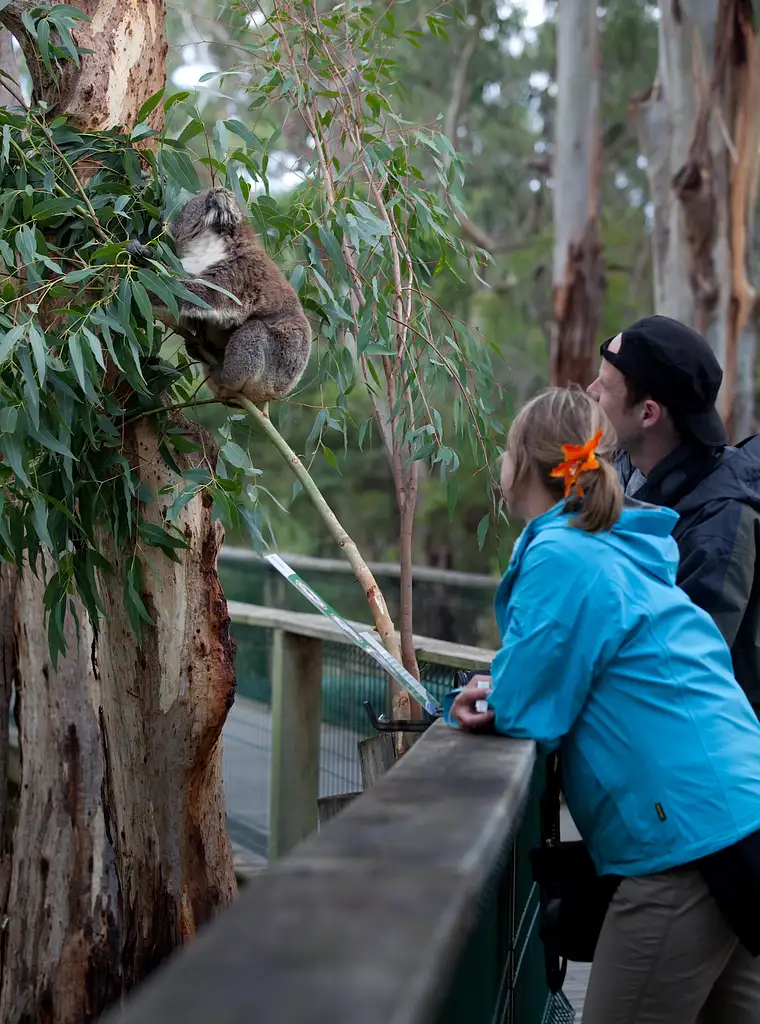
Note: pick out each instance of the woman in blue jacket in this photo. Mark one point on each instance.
(604, 658)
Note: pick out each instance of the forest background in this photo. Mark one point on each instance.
(486, 74)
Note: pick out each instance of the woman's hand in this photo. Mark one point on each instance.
(463, 709)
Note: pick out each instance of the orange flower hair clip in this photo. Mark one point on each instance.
(579, 458)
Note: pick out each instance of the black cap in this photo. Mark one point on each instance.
(677, 367)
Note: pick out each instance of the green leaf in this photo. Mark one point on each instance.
(144, 305)
(26, 244)
(189, 132)
(330, 457)
(8, 419)
(75, 276)
(178, 97)
(153, 283)
(150, 105)
(77, 363)
(40, 519)
(43, 44)
(239, 129)
(180, 169)
(68, 11)
(12, 454)
(236, 455)
(483, 527)
(334, 251)
(39, 350)
(169, 543)
(183, 498)
(10, 340)
(141, 131)
(31, 391)
(133, 591)
(95, 346)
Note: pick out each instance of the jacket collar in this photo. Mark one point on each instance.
(678, 474)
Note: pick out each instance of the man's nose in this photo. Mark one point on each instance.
(593, 389)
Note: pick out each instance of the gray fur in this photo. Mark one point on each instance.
(262, 343)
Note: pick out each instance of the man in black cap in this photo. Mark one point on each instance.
(658, 383)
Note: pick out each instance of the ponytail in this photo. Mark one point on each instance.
(602, 502)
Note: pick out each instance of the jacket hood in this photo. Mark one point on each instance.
(643, 535)
(735, 477)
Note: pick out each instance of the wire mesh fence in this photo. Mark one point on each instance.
(349, 678)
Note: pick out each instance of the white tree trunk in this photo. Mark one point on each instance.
(700, 131)
(577, 274)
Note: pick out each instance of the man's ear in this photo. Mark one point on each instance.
(652, 413)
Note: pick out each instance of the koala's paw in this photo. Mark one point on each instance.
(140, 251)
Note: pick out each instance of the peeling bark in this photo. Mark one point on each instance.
(126, 66)
(121, 848)
(578, 280)
(700, 125)
(163, 708)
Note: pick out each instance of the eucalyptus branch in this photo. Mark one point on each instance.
(378, 607)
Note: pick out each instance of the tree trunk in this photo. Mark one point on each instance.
(700, 131)
(56, 950)
(8, 671)
(164, 706)
(121, 848)
(8, 585)
(578, 278)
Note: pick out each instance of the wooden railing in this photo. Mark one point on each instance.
(411, 906)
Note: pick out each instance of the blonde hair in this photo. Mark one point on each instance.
(568, 416)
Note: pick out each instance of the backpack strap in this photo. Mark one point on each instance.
(554, 965)
(550, 801)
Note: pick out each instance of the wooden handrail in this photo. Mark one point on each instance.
(366, 921)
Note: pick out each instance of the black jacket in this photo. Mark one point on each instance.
(717, 496)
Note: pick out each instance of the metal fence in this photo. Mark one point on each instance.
(349, 678)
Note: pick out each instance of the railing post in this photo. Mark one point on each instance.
(296, 722)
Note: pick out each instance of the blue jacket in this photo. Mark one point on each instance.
(604, 657)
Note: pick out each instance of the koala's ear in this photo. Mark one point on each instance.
(223, 211)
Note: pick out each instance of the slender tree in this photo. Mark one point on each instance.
(578, 286)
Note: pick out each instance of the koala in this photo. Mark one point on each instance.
(261, 346)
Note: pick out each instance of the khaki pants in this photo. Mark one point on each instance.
(667, 956)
